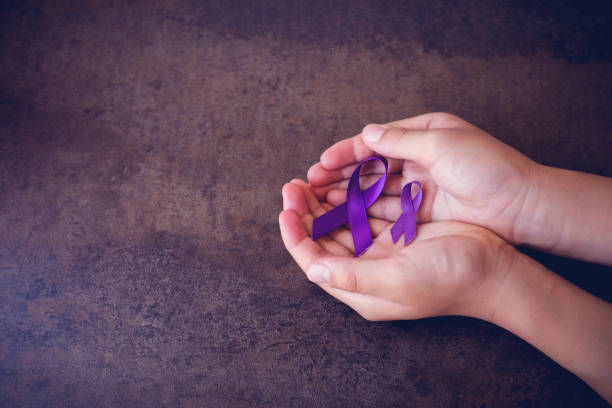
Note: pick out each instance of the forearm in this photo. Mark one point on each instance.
(568, 213)
(571, 326)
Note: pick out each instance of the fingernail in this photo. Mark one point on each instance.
(318, 273)
(372, 133)
(310, 172)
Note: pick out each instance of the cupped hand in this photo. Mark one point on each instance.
(467, 175)
(450, 268)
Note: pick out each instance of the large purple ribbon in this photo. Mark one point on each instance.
(406, 223)
(353, 210)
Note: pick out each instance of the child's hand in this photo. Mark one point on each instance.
(453, 269)
(450, 268)
(466, 174)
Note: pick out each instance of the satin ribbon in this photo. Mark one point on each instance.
(353, 210)
(406, 223)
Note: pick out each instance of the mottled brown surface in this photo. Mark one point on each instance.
(143, 149)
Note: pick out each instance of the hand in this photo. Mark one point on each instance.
(453, 269)
(466, 174)
(450, 268)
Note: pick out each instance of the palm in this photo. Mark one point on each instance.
(445, 257)
(470, 183)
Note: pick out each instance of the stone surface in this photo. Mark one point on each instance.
(143, 146)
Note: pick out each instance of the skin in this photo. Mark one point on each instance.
(470, 176)
(479, 194)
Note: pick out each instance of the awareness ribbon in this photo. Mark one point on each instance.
(406, 223)
(353, 210)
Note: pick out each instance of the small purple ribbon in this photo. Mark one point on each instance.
(353, 210)
(406, 223)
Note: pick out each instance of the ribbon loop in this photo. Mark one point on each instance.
(353, 210)
(406, 223)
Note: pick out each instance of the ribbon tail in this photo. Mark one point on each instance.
(358, 219)
(409, 227)
(398, 228)
(329, 221)
(406, 223)
(360, 228)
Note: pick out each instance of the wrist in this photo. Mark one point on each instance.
(565, 212)
(485, 299)
(534, 217)
(566, 323)
(524, 282)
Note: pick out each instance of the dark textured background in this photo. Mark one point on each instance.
(143, 146)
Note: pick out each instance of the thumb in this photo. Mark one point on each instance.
(366, 276)
(418, 145)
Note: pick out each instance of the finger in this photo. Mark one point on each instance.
(370, 307)
(434, 120)
(321, 176)
(386, 208)
(421, 146)
(345, 153)
(378, 226)
(313, 204)
(385, 278)
(353, 150)
(393, 185)
(304, 250)
(294, 199)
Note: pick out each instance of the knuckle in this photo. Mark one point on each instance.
(368, 315)
(448, 120)
(445, 116)
(344, 279)
(358, 286)
(438, 138)
(400, 133)
(352, 282)
(392, 133)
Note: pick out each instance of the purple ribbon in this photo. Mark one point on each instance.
(406, 223)
(353, 210)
